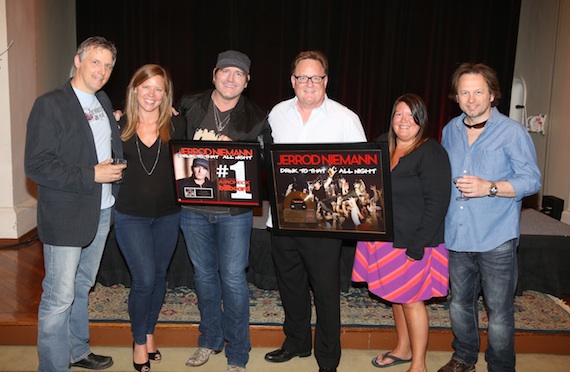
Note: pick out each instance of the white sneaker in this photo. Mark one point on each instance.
(200, 356)
(232, 368)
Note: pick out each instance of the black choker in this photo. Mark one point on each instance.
(475, 126)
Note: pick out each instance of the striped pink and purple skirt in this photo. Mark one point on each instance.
(391, 276)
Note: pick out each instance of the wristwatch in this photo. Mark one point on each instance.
(493, 190)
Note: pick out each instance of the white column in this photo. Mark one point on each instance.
(18, 90)
(44, 41)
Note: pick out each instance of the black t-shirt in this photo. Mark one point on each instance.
(214, 124)
(151, 195)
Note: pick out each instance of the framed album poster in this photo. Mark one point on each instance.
(222, 173)
(331, 190)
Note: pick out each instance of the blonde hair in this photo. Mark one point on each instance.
(132, 107)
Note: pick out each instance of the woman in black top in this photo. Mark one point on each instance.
(147, 215)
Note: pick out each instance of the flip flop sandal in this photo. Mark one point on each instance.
(395, 359)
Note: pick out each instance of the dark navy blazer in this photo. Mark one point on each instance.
(60, 157)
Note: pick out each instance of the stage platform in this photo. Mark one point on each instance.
(543, 257)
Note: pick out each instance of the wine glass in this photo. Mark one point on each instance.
(461, 197)
(119, 161)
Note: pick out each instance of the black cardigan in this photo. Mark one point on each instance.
(421, 188)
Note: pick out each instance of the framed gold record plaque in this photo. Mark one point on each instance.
(331, 190)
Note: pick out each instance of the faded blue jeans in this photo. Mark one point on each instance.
(495, 272)
(218, 246)
(148, 244)
(63, 318)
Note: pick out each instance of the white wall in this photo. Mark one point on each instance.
(56, 42)
(534, 63)
(558, 151)
(543, 54)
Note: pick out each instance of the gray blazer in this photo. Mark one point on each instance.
(60, 157)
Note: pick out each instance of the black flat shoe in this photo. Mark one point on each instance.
(155, 357)
(280, 355)
(145, 367)
(327, 369)
(93, 361)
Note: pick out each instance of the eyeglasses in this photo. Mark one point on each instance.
(305, 79)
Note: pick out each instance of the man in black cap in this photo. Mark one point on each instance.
(218, 237)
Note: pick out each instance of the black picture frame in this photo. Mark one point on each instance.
(233, 175)
(356, 202)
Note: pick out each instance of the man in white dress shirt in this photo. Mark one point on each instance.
(305, 263)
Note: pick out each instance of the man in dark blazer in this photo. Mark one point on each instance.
(71, 138)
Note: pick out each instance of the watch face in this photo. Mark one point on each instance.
(493, 190)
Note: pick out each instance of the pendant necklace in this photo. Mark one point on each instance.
(475, 126)
(220, 124)
(140, 157)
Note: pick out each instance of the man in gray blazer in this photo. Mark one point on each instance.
(71, 138)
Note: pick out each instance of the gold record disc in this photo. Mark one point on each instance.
(298, 200)
(299, 207)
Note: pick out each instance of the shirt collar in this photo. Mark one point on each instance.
(324, 107)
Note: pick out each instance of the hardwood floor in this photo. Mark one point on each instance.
(21, 273)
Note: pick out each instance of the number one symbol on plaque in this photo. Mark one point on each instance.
(241, 186)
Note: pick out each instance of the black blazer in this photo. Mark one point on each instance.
(60, 157)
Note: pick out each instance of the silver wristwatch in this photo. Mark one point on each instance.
(493, 190)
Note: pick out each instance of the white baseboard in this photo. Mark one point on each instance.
(18, 220)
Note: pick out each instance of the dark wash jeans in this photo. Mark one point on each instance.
(147, 244)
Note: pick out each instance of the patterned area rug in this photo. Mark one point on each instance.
(534, 311)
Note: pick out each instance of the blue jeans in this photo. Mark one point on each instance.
(148, 245)
(495, 272)
(218, 246)
(63, 318)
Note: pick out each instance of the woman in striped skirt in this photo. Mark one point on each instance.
(413, 268)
